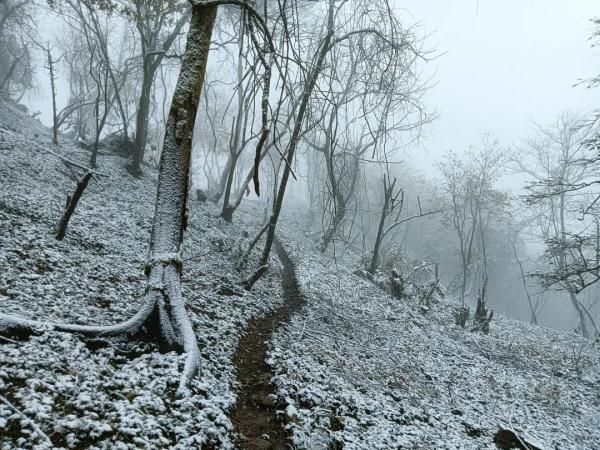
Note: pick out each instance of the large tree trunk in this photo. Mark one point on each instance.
(162, 311)
(164, 264)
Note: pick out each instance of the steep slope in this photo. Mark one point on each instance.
(355, 368)
(359, 369)
(104, 394)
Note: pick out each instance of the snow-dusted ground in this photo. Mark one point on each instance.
(120, 395)
(356, 369)
(363, 370)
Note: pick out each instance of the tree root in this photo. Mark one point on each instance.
(168, 325)
(14, 325)
(192, 364)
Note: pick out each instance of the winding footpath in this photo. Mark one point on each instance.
(254, 414)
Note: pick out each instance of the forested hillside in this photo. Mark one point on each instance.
(214, 235)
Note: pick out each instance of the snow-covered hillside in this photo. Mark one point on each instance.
(119, 395)
(363, 370)
(355, 369)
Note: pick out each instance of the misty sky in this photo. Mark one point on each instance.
(507, 62)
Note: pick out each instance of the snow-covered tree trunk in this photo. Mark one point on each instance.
(170, 217)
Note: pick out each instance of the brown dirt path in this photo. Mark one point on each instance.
(254, 414)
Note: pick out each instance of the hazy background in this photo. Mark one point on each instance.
(500, 65)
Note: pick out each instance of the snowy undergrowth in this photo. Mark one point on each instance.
(359, 369)
(110, 395)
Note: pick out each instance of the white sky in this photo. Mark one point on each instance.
(507, 62)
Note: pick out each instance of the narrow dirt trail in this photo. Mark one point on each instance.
(254, 414)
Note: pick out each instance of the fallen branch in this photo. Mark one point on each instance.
(249, 282)
(71, 205)
(12, 341)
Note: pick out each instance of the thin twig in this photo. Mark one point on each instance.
(35, 428)
(8, 340)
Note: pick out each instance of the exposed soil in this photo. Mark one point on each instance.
(254, 415)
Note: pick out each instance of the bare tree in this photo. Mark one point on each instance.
(209, 150)
(534, 306)
(158, 26)
(99, 72)
(555, 162)
(267, 125)
(393, 205)
(16, 29)
(472, 201)
(51, 67)
(393, 41)
(369, 101)
(87, 16)
(239, 138)
(75, 59)
(83, 95)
